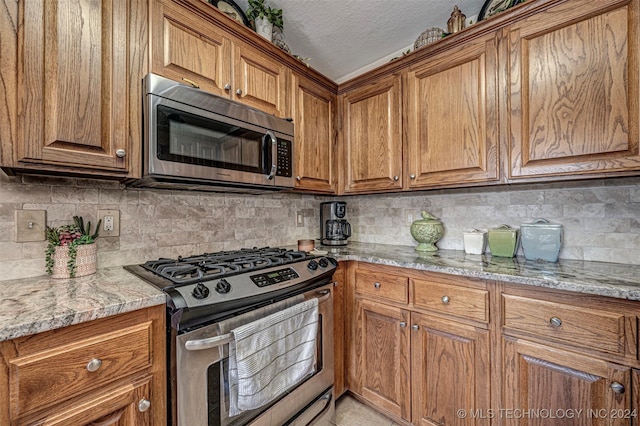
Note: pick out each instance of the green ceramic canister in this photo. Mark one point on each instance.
(503, 241)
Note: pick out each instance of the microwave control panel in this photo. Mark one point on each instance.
(284, 158)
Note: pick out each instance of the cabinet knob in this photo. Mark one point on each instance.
(376, 285)
(445, 299)
(412, 176)
(617, 387)
(555, 321)
(94, 364)
(396, 178)
(239, 92)
(144, 405)
(120, 153)
(227, 87)
(415, 327)
(298, 178)
(403, 324)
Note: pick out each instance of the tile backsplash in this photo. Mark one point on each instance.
(601, 218)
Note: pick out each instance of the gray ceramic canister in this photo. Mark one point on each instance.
(541, 240)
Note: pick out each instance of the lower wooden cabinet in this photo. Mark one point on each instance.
(543, 381)
(450, 371)
(436, 349)
(109, 371)
(339, 356)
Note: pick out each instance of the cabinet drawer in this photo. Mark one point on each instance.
(382, 286)
(451, 299)
(586, 327)
(53, 375)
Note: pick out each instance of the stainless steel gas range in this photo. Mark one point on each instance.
(209, 297)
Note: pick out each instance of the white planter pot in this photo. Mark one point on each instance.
(264, 28)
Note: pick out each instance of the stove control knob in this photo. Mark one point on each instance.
(200, 291)
(323, 262)
(312, 265)
(223, 286)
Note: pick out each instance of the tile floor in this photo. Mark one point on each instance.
(350, 412)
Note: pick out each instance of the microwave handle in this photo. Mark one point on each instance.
(274, 154)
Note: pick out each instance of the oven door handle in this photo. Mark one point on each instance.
(212, 342)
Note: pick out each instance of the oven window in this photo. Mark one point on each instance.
(192, 139)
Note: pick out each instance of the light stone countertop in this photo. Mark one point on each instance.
(33, 305)
(598, 278)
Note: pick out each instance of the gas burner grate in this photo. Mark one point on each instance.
(209, 266)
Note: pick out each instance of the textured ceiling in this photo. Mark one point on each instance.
(344, 38)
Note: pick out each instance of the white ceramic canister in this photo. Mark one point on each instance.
(475, 241)
(541, 240)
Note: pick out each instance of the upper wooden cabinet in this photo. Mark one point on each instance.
(313, 112)
(372, 136)
(574, 89)
(188, 46)
(72, 92)
(452, 116)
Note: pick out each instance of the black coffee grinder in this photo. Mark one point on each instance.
(334, 228)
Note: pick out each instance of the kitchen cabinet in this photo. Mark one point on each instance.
(188, 45)
(452, 116)
(109, 371)
(339, 324)
(410, 354)
(372, 136)
(313, 112)
(573, 88)
(72, 106)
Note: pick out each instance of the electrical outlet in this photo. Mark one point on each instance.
(110, 226)
(299, 219)
(30, 225)
(409, 217)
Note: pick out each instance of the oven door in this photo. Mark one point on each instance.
(201, 369)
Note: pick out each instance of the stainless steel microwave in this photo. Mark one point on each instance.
(197, 140)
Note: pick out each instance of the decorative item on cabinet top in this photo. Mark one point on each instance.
(265, 18)
(230, 8)
(503, 241)
(428, 36)
(456, 22)
(493, 7)
(475, 241)
(541, 240)
(427, 231)
(71, 249)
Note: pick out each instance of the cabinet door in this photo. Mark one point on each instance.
(574, 89)
(384, 357)
(185, 46)
(124, 405)
(539, 377)
(73, 98)
(452, 116)
(372, 132)
(450, 371)
(259, 81)
(313, 114)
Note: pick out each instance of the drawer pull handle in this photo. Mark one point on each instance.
(415, 327)
(403, 324)
(376, 285)
(94, 365)
(445, 300)
(617, 387)
(555, 321)
(144, 405)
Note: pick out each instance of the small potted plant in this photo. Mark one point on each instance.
(71, 249)
(264, 18)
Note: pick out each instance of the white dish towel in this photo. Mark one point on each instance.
(271, 355)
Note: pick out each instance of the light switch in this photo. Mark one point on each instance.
(30, 225)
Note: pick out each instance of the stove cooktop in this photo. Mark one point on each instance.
(233, 277)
